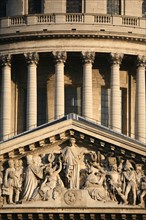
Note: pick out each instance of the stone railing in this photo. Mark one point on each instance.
(46, 18)
(18, 20)
(130, 21)
(77, 18)
(110, 22)
(103, 19)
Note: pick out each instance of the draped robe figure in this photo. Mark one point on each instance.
(34, 173)
(72, 164)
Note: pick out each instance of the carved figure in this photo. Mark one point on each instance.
(49, 166)
(8, 187)
(18, 178)
(115, 184)
(51, 182)
(142, 191)
(1, 181)
(95, 163)
(130, 179)
(71, 159)
(34, 173)
(95, 184)
(104, 177)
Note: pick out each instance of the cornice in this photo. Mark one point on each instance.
(72, 213)
(43, 137)
(17, 37)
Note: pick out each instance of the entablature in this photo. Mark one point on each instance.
(42, 42)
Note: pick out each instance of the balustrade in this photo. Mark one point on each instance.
(46, 18)
(18, 20)
(79, 18)
(130, 21)
(60, 19)
(102, 19)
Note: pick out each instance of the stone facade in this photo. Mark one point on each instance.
(72, 110)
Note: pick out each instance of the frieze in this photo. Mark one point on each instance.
(72, 175)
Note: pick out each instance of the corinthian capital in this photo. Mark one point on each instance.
(5, 60)
(116, 58)
(60, 56)
(141, 60)
(32, 58)
(88, 57)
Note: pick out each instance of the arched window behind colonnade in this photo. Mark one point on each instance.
(114, 7)
(34, 6)
(74, 6)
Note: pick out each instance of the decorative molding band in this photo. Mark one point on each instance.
(47, 35)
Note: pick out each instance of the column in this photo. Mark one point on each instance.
(25, 7)
(6, 96)
(115, 102)
(140, 124)
(31, 108)
(60, 58)
(87, 104)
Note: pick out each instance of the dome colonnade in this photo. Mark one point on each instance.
(88, 59)
(99, 69)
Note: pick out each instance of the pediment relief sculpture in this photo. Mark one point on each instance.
(71, 174)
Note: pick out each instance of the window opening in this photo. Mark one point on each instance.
(105, 106)
(73, 99)
(114, 7)
(34, 6)
(2, 8)
(74, 6)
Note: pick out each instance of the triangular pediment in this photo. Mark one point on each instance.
(73, 162)
(86, 131)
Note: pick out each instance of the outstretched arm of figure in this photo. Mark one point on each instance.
(60, 167)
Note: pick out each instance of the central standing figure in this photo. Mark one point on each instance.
(71, 159)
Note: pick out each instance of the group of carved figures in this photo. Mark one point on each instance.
(105, 178)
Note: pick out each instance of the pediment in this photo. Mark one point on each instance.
(73, 163)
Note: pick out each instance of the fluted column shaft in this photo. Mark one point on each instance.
(115, 102)
(87, 108)
(31, 109)
(60, 58)
(6, 97)
(140, 99)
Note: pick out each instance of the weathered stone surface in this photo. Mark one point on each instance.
(73, 174)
